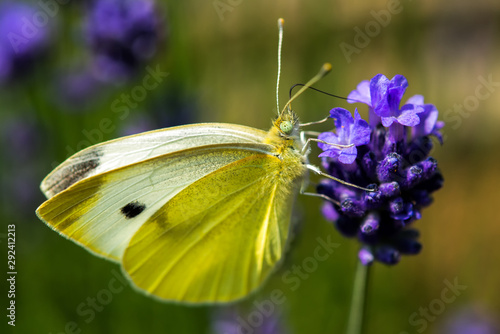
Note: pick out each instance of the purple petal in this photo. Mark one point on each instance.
(330, 154)
(409, 115)
(396, 90)
(387, 121)
(361, 131)
(365, 256)
(343, 117)
(416, 99)
(435, 132)
(378, 92)
(329, 212)
(329, 137)
(348, 155)
(343, 124)
(428, 119)
(373, 118)
(361, 94)
(382, 109)
(329, 150)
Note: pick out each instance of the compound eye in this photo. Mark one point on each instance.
(286, 127)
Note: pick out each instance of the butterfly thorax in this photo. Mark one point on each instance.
(284, 136)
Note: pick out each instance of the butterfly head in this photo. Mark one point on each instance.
(285, 131)
(287, 124)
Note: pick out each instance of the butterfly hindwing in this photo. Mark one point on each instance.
(219, 238)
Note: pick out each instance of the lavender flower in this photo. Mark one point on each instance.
(384, 98)
(349, 131)
(123, 35)
(385, 159)
(21, 41)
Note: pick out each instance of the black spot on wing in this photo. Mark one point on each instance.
(132, 209)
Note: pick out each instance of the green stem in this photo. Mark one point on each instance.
(356, 314)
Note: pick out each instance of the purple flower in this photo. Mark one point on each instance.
(77, 90)
(386, 98)
(429, 124)
(365, 256)
(349, 131)
(137, 124)
(24, 146)
(470, 320)
(397, 170)
(383, 96)
(21, 41)
(123, 35)
(229, 321)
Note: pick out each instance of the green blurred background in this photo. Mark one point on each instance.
(221, 59)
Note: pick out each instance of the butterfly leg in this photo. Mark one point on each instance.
(329, 199)
(303, 191)
(309, 140)
(316, 170)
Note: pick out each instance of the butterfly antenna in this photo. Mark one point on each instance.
(280, 43)
(320, 91)
(325, 69)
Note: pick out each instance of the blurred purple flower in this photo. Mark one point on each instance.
(138, 124)
(22, 39)
(349, 131)
(123, 35)
(21, 139)
(398, 170)
(229, 321)
(169, 109)
(22, 142)
(77, 89)
(470, 320)
(365, 256)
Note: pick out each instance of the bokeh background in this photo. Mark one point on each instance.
(65, 65)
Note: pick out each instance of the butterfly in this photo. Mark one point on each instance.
(197, 213)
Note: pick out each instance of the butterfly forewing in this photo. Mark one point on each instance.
(124, 151)
(102, 212)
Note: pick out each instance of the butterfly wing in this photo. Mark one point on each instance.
(190, 222)
(124, 151)
(217, 239)
(104, 211)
